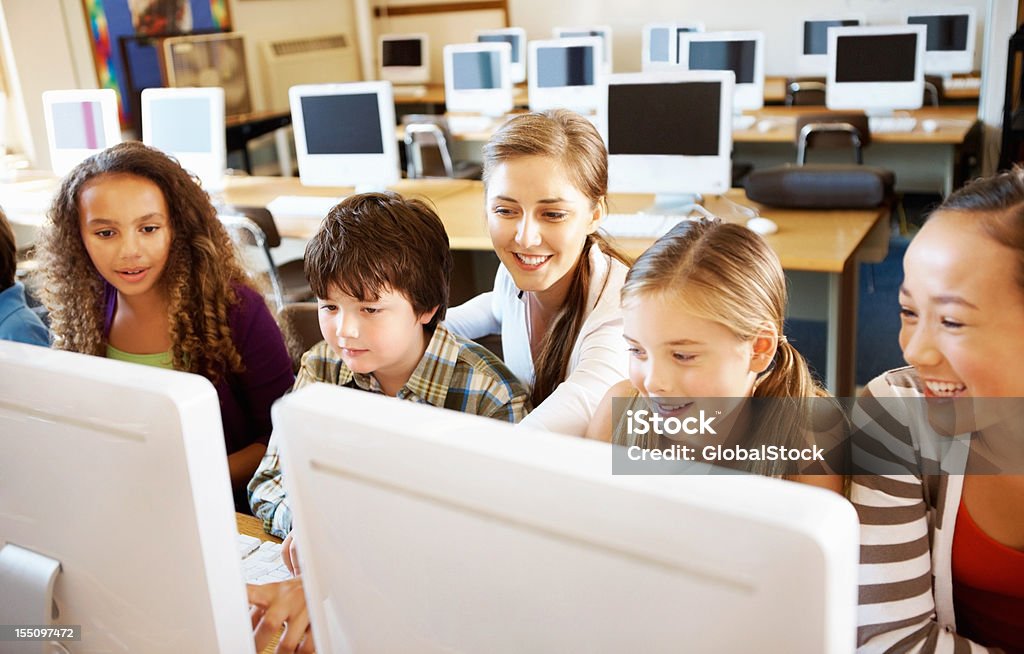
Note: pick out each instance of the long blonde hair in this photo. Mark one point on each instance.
(572, 140)
(200, 277)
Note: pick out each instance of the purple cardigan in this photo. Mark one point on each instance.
(245, 397)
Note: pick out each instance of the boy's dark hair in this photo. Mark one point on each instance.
(375, 241)
(8, 254)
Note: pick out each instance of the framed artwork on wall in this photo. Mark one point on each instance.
(110, 21)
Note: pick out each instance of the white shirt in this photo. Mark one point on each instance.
(598, 359)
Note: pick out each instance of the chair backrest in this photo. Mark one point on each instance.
(303, 326)
(932, 90)
(832, 130)
(264, 219)
(246, 231)
(805, 91)
(426, 146)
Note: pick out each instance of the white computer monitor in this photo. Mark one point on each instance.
(660, 41)
(740, 52)
(602, 31)
(875, 69)
(477, 78)
(79, 123)
(345, 134)
(405, 58)
(949, 47)
(812, 59)
(683, 146)
(188, 123)
(120, 476)
(516, 38)
(425, 530)
(566, 73)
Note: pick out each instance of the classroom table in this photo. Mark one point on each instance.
(828, 243)
(922, 160)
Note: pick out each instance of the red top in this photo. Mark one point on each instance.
(988, 587)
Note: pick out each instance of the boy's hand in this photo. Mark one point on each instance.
(290, 554)
(282, 604)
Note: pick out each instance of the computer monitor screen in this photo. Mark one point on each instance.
(188, 123)
(875, 68)
(529, 536)
(148, 560)
(603, 32)
(516, 38)
(664, 153)
(949, 47)
(740, 52)
(660, 41)
(79, 123)
(813, 54)
(566, 73)
(405, 58)
(477, 78)
(345, 134)
(211, 60)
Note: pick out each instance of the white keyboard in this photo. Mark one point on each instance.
(409, 91)
(892, 123)
(301, 206)
(640, 225)
(962, 83)
(743, 122)
(261, 561)
(469, 124)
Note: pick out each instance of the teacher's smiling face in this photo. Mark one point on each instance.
(538, 221)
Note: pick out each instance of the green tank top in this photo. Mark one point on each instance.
(158, 360)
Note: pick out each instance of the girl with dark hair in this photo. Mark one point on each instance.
(137, 267)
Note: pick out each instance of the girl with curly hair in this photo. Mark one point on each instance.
(138, 268)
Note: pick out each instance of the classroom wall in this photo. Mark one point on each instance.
(780, 20)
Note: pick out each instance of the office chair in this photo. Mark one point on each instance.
(831, 131)
(932, 90)
(302, 329)
(805, 91)
(288, 280)
(427, 153)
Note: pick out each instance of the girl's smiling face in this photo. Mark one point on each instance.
(962, 310)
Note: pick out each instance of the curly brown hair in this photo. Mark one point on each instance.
(202, 269)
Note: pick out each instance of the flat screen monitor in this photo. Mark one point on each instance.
(740, 52)
(566, 73)
(949, 47)
(812, 59)
(188, 123)
(601, 31)
(119, 476)
(79, 123)
(875, 69)
(211, 60)
(660, 41)
(525, 541)
(516, 38)
(345, 134)
(405, 58)
(477, 78)
(683, 145)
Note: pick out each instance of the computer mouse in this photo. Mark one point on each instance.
(763, 226)
(929, 125)
(765, 126)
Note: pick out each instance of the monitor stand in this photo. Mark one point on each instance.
(409, 90)
(27, 579)
(678, 204)
(371, 188)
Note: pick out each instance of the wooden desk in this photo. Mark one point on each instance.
(922, 161)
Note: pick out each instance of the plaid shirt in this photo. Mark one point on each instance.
(454, 373)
